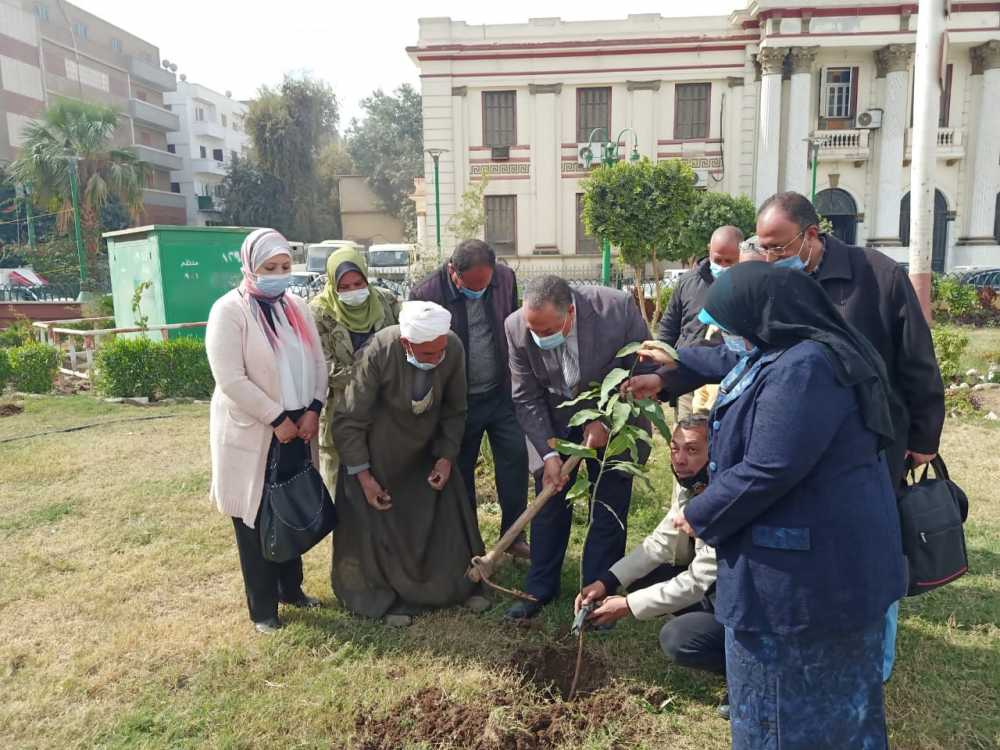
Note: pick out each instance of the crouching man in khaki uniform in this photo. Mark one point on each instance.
(671, 574)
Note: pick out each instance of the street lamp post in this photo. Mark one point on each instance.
(22, 192)
(814, 145)
(609, 157)
(74, 191)
(435, 154)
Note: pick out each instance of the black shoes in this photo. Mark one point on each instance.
(521, 612)
(268, 626)
(723, 708)
(306, 602)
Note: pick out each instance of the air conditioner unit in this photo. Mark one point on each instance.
(870, 119)
(701, 178)
(500, 153)
(588, 152)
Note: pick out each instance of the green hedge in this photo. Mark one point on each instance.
(33, 367)
(129, 367)
(4, 369)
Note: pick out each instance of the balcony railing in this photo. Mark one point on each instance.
(208, 129)
(950, 143)
(156, 157)
(208, 166)
(150, 114)
(848, 145)
(152, 75)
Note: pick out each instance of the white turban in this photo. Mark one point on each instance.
(420, 322)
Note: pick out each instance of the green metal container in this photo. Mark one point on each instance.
(187, 269)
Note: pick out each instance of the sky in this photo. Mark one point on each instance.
(356, 46)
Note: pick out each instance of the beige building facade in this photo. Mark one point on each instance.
(736, 97)
(361, 218)
(51, 50)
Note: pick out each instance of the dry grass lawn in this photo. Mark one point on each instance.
(123, 623)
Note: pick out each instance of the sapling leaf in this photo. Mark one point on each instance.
(620, 416)
(652, 411)
(568, 448)
(653, 344)
(583, 416)
(611, 511)
(628, 349)
(580, 488)
(619, 443)
(611, 381)
(635, 470)
(583, 396)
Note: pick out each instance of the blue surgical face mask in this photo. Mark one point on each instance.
(549, 342)
(717, 270)
(273, 286)
(738, 344)
(412, 359)
(793, 262)
(471, 294)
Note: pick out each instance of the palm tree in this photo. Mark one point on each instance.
(82, 131)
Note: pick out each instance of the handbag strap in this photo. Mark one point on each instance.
(937, 463)
(272, 469)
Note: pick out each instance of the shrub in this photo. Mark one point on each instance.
(129, 367)
(4, 368)
(949, 345)
(33, 367)
(666, 292)
(955, 299)
(185, 369)
(17, 334)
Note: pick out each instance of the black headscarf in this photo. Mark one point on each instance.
(776, 308)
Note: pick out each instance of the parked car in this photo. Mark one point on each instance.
(984, 278)
(390, 261)
(318, 253)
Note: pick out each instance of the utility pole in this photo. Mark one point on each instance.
(74, 190)
(30, 217)
(928, 67)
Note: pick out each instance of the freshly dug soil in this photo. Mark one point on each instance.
(498, 721)
(10, 410)
(550, 668)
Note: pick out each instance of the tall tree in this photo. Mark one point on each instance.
(82, 131)
(642, 209)
(252, 197)
(388, 149)
(289, 127)
(715, 210)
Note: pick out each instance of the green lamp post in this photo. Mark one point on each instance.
(609, 157)
(814, 146)
(74, 190)
(435, 154)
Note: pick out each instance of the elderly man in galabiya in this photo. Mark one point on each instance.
(407, 531)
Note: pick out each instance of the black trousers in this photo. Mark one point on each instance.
(550, 529)
(693, 638)
(492, 414)
(266, 582)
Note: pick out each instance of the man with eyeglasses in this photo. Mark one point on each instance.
(874, 294)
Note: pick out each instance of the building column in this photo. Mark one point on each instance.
(545, 165)
(800, 105)
(892, 63)
(986, 164)
(771, 60)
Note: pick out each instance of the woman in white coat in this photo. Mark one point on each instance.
(270, 384)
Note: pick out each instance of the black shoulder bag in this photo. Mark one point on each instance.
(295, 514)
(931, 514)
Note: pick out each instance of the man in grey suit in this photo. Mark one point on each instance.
(560, 341)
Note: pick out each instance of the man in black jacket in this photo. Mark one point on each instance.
(680, 325)
(480, 295)
(875, 295)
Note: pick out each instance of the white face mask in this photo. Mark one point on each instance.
(355, 297)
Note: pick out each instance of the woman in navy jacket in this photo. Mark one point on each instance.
(800, 510)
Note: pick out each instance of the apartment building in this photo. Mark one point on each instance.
(211, 133)
(736, 97)
(51, 49)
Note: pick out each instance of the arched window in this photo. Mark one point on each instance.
(839, 208)
(939, 239)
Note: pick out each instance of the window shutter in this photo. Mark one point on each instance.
(854, 92)
(943, 117)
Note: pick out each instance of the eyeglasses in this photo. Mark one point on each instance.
(776, 251)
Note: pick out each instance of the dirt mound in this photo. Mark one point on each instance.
(495, 722)
(550, 668)
(10, 410)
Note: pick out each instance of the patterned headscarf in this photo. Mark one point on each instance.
(260, 246)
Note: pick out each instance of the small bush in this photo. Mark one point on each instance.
(953, 298)
(949, 345)
(666, 292)
(33, 367)
(129, 367)
(4, 368)
(185, 369)
(17, 334)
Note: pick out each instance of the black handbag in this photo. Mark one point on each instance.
(295, 514)
(931, 514)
